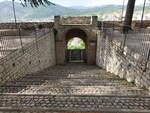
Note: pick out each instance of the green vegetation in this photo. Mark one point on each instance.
(76, 43)
(35, 3)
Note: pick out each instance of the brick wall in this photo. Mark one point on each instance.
(36, 57)
(122, 62)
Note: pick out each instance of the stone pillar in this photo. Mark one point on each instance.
(94, 20)
(56, 20)
(60, 45)
(91, 52)
(60, 52)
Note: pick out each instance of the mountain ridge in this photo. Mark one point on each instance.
(43, 13)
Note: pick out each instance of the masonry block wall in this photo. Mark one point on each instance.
(24, 25)
(124, 63)
(9, 29)
(34, 57)
(70, 27)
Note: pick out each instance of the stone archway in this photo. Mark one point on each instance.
(76, 32)
(70, 28)
(77, 55)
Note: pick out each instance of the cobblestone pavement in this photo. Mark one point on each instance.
(77, 103)
(74, 87)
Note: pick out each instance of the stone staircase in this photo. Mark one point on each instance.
(73, 88)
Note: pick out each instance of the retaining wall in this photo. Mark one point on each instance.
(122, 62)
(34, 57)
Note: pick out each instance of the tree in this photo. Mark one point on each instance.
(129, 15)
(76, 43)
(35, 3)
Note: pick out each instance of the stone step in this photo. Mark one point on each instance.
(52, 83)
(72, 75)
(70, 82)
(75, 90)
(65, 78)
(68, 73)
(101, 104)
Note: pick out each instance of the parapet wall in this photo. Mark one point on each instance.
(135, 23)
(25, 25)
(34, 57)
(75, 20)
(124, 63)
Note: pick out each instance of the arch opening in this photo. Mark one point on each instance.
(76, 46)
(76, 43)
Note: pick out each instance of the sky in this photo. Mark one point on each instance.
(90, 3)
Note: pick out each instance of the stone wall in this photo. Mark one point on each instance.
(75, 20)
(14, 32)
(135, 24)
(34, 57)
(122, 62)
(26, 28)
(25, 25)
(87, 32)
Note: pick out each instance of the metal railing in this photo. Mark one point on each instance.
(135, 41)
(19, 61)
(11, 41)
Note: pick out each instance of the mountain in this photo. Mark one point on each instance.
(28, 13)
(106, 12)
(79, 7)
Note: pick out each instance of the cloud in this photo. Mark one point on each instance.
(92, 2)
(89, 2)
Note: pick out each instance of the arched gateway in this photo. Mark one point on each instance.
(84, 28)
(76, 55)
